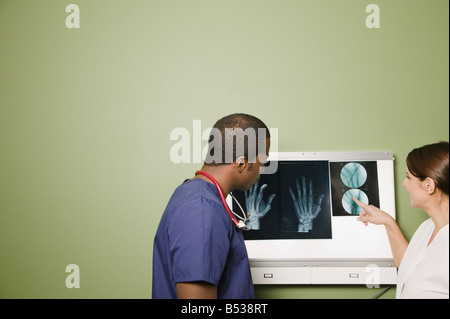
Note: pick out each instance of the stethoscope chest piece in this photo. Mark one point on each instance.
(241, 225)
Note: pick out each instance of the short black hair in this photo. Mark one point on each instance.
(243, 131)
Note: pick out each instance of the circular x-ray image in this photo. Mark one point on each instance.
(349, 204)
(353, 175)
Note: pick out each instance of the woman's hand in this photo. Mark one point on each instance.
(372, 214)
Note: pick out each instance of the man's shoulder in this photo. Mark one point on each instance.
(196, 189)
(194, 196)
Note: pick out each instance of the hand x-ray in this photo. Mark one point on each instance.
(305, 207)
(293, 203)
(256, 206)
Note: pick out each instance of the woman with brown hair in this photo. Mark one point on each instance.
(424, 262)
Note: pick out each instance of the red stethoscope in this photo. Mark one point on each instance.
(242, 220)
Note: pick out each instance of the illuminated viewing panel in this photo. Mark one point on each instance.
(303, 226)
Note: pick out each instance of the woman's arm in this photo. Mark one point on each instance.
(374, 215)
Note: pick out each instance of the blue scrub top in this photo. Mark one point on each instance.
(197, 241)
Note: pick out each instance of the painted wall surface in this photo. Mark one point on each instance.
(86, 116)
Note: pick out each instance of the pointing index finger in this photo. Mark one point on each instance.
(360, 204)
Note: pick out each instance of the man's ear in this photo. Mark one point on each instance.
(241, 164)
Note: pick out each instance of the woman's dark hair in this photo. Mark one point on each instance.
(430, 161)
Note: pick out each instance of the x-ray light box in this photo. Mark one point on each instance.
(303, 223)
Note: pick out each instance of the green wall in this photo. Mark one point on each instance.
(86, 116)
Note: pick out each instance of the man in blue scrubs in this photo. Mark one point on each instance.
(198, 252)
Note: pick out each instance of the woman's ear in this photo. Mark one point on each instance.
(430, 185)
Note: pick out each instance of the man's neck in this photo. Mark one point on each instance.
(221, 174)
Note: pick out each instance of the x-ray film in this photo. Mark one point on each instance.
(353, 179)
(293, 203)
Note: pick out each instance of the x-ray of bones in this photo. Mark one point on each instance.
(305, 208)
(257, 208)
